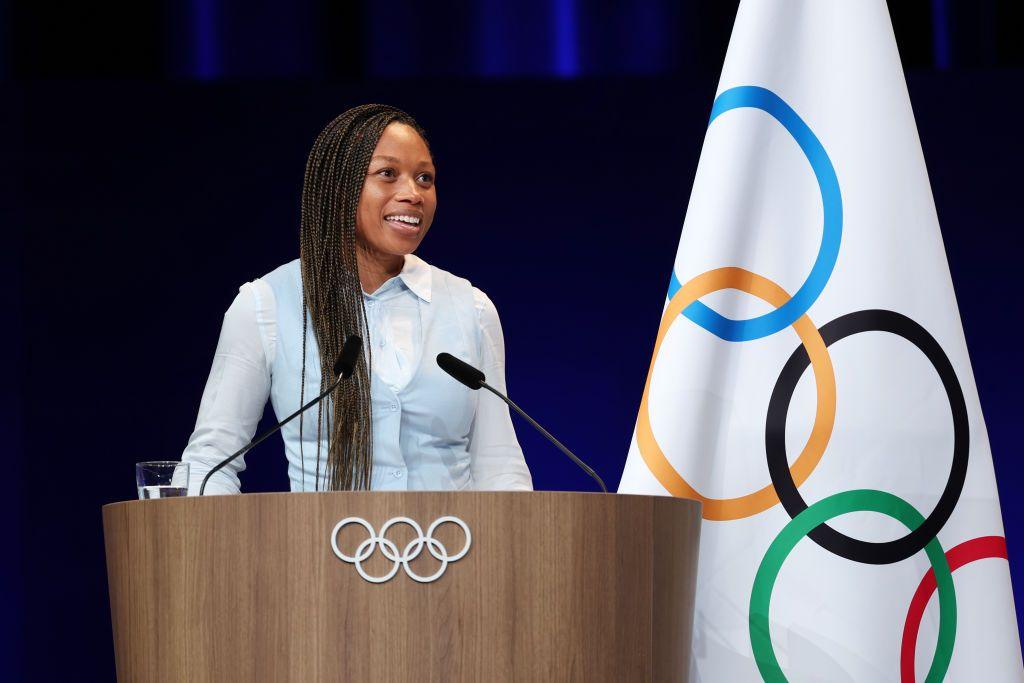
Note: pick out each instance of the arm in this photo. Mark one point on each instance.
(236, 391)
(497, 461)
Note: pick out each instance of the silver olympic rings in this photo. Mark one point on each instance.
(411, 551)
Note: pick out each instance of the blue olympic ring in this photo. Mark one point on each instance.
(832, 203)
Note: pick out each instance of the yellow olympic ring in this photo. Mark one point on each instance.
(721, 509)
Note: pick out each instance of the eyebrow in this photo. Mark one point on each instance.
(396, 160)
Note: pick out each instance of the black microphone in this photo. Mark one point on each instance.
(461, 371)
(346, 363)
(343, 369)
(474, 379)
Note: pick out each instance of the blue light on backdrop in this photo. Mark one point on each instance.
(566, 63)
(941, 47)
(210, 40)
(206, 58)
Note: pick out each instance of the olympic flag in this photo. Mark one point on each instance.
(810, 381)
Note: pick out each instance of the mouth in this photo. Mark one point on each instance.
(407, 224)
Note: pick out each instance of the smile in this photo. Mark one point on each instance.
(404, 224)
(401, 218)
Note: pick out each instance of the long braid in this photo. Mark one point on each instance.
(332, 294)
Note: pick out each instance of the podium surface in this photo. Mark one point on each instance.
(549, 586)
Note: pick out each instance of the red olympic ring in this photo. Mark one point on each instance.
(965, 553)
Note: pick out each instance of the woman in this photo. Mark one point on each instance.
(399, 422)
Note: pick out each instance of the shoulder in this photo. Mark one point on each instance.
(281, 287)
(417, 265)
(288, 273)
(485, 309)
(482, 304)
(256, 306)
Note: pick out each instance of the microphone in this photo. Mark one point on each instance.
(461, 371)
(346, 363)
(471, 377)
(343, 369)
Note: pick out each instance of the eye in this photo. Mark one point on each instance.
(386, 173)
(425, 178)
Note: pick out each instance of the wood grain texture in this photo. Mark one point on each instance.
(556, 587)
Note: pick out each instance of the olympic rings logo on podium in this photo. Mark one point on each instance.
(411, 551)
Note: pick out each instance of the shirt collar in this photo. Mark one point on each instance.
(416, 276)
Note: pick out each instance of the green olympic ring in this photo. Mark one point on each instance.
(865, 500)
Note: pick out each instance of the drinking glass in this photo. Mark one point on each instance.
(161, 479)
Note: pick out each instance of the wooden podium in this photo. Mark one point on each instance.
(552, 587)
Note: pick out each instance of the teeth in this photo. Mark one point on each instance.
(411, 220)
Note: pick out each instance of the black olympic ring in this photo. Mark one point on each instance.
(775, 438)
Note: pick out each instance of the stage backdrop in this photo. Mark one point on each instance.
(144, 207)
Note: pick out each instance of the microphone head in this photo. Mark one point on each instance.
(460, 370)
(346, 363)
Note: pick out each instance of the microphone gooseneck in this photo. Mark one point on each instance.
(343, 368)
(475, 379)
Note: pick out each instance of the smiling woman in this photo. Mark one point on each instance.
(398, 201)
(398, 422)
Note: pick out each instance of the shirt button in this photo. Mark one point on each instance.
(397, 473)
(394, 406)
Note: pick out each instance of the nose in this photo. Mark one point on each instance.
(409, 193)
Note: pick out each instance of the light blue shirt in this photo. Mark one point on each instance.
(429, 431)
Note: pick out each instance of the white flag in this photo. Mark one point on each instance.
(810, 381)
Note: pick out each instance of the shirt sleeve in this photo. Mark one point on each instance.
(236, 391)
(497, 461)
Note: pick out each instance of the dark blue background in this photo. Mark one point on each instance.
(152, 175)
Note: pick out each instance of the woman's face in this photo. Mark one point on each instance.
(398, 200)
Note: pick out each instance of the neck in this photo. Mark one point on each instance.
(375, 268)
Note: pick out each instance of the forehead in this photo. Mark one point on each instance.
(403, 142)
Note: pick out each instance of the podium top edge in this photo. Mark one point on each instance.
(395, 494)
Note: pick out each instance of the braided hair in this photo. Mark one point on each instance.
(332, 294)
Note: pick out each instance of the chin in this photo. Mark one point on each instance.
(403, 246)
